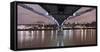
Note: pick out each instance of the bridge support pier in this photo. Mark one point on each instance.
(60, 39)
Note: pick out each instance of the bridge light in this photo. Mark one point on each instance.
(46, 14)
(74, 14)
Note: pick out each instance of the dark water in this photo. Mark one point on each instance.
(52, 38)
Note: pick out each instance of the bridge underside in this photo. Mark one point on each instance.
(60, 12)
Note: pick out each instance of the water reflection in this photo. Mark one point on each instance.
(52, 38)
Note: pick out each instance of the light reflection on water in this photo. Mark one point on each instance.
(51, 38)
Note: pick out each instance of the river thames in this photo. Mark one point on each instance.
(51, 38)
